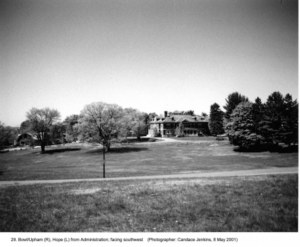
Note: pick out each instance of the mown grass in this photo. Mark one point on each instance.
(143, 139)
(84, 161)
(232, 204)
(194, 138)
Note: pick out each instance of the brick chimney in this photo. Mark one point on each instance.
(166, 113)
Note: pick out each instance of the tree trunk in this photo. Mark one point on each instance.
(103, 161)
(107, 145)
(138, 137)
(43, 147)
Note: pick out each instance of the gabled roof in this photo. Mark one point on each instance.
(188, 118)
(20, 136)
(185, 120)
(168, 120)
(181, 118)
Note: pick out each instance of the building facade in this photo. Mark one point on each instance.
(26, 139)
(192, 125)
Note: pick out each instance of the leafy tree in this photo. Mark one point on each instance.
(25, 127)
(40, 122)
(71, 123)
(7, 134)
(232, 101)
(134, 121)
(203, 114)
(102, 123)
(241, 129)
(190, 112)
(215, 123)
(2, 134)
(148, 117)
(57, 133)
(152, 115)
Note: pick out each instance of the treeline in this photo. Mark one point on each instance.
(257, 126)
(97, 122)
(253, 126)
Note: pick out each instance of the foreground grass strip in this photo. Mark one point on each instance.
(244, 204)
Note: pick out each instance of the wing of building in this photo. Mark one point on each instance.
(192, 125)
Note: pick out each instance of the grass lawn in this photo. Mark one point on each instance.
(194, 138)
(135, 140)
(232, 204)
(84, 161)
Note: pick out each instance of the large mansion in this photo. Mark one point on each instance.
(193, 125)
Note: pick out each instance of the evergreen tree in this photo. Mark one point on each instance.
(258, 112)
(232, 101)
(215, 123)
(261, 126)
(289, 128)
(271, 124)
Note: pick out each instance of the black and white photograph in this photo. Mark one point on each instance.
(149, 122)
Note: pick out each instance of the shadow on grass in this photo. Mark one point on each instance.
(118, 150)
(59, 150)
(273, 149)
(291, 149)
(135, 140)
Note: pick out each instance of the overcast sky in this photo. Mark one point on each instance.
(152, 55)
